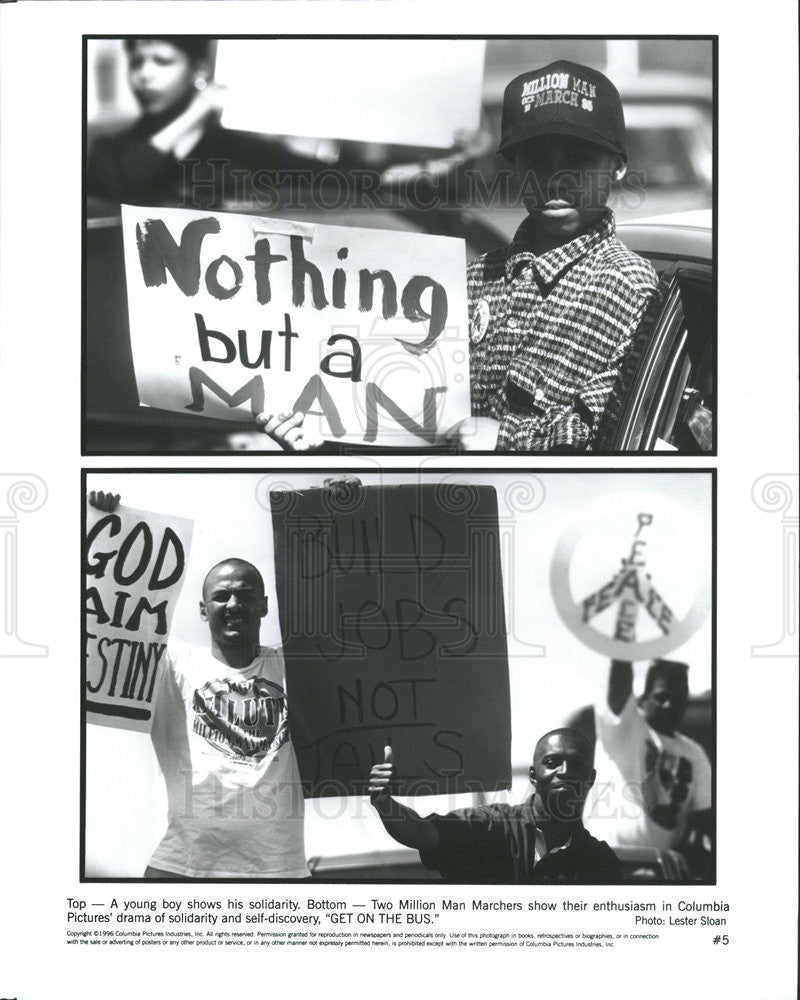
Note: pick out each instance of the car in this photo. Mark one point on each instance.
(670, 153)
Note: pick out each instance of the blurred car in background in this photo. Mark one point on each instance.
(669, 123)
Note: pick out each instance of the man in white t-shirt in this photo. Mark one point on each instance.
(221, 736)
(654, 783)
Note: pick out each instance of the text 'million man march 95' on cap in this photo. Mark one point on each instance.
(563, 98)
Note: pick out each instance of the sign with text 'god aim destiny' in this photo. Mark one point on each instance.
(363, 330)
(134, 564)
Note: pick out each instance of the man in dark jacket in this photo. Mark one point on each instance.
(541, 840)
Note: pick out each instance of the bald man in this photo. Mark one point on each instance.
(221, 736)
(541, 840)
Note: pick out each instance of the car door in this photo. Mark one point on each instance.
(670, 402)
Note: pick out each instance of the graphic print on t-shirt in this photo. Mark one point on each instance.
(667, 779)
(242, 718)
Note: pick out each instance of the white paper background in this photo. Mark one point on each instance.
(40, 209)
(377, 95)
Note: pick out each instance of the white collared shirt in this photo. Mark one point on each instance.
(540, 847)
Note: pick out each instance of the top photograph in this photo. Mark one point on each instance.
(337, 246)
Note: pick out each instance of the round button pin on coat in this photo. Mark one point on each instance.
(480, 322)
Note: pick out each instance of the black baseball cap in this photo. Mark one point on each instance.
(563, 98)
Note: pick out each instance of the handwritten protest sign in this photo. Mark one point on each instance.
(365, 331)
(631, 577)
(420, 91)
(135, 564)
(391, 611)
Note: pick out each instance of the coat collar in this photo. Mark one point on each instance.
(551, 265)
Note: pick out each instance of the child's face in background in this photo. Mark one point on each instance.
(160, 75)
(565, 183)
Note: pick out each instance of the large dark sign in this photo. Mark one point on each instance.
(391, 610)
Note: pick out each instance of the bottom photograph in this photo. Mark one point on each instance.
(472, 676)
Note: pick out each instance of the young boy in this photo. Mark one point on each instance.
(553, 314)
